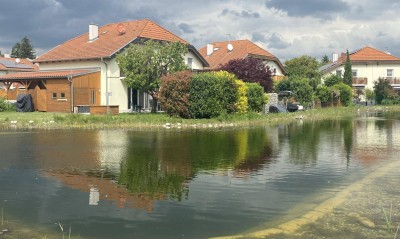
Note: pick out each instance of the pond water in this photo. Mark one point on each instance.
(185, 184)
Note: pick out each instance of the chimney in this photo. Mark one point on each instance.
(7, 56)
(335, 57)
(93, 32)
(210, 49)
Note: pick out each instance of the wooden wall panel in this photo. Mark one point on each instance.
(87, 87)
(58, 103)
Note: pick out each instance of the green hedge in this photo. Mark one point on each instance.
(255, 97)
(211, 95)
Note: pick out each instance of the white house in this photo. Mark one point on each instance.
(368, 65)
(97, 49)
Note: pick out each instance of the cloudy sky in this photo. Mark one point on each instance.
(286, 28)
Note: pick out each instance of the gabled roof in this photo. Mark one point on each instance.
(46, 74)
(109, 42)
(241, 49)
(10, 64)
(365, 54)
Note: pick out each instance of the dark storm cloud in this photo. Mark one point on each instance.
(48, 23)
(243, 14)
(185, 28)
(315, 8)
(276, 41)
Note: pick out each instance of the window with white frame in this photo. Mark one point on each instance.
(354, 73)
(190, 63)
(389, 72)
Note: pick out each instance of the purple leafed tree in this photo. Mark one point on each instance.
(252, 70)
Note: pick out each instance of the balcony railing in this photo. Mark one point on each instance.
(393, 80)
(360, 80)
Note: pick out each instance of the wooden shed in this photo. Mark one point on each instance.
(55, 91)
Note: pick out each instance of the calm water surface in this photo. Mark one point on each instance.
(185, 184)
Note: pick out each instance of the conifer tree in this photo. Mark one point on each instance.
(348, 73)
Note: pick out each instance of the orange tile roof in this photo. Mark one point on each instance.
(241, 49)
(109, 42)
(46, 74)
(29, 65)
(370, 54)
(364, 54)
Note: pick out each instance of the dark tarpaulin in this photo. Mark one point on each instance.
(24, 103)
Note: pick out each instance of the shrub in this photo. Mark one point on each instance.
(241, 105)
(230, 95)
(301, 90)
(383, 91)
(6, 106)
(175, 94)
(346, 93)
(211, 94)
(332, 80)
(255, 97)
(324, 94)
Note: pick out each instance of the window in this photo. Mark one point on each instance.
(62, 95)
(389, 72)
(54, 95)
(190, 63)
(339, 73)
(354, 73)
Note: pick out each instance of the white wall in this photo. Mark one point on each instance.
(273, 65)
(196, 65)
(372, 71)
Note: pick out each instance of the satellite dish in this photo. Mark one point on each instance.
(230, 47)
(17, 60)
(121, 29)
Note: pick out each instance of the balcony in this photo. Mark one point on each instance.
(392, 80)
(360, 81)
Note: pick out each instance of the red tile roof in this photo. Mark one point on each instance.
(109, 42)
(365, 54)
(27, 65)
(241, 49)
(46, 74)
(370, 54)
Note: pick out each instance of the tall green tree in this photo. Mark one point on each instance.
(1, 55)
(304, 67)
(348, 72)
(23, 49)
(325, 60)
(144, 64)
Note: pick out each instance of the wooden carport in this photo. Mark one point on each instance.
(57, 91)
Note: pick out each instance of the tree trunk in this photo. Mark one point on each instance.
(154, 105)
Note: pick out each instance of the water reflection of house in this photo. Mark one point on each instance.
(107, 189)
(374, 140)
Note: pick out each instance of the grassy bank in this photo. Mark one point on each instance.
(43, 120)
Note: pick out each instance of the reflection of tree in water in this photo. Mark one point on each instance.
(304, 139)
(258, 152)
(303, 142)
(141, 172)
(347, 128)
(162, 163)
